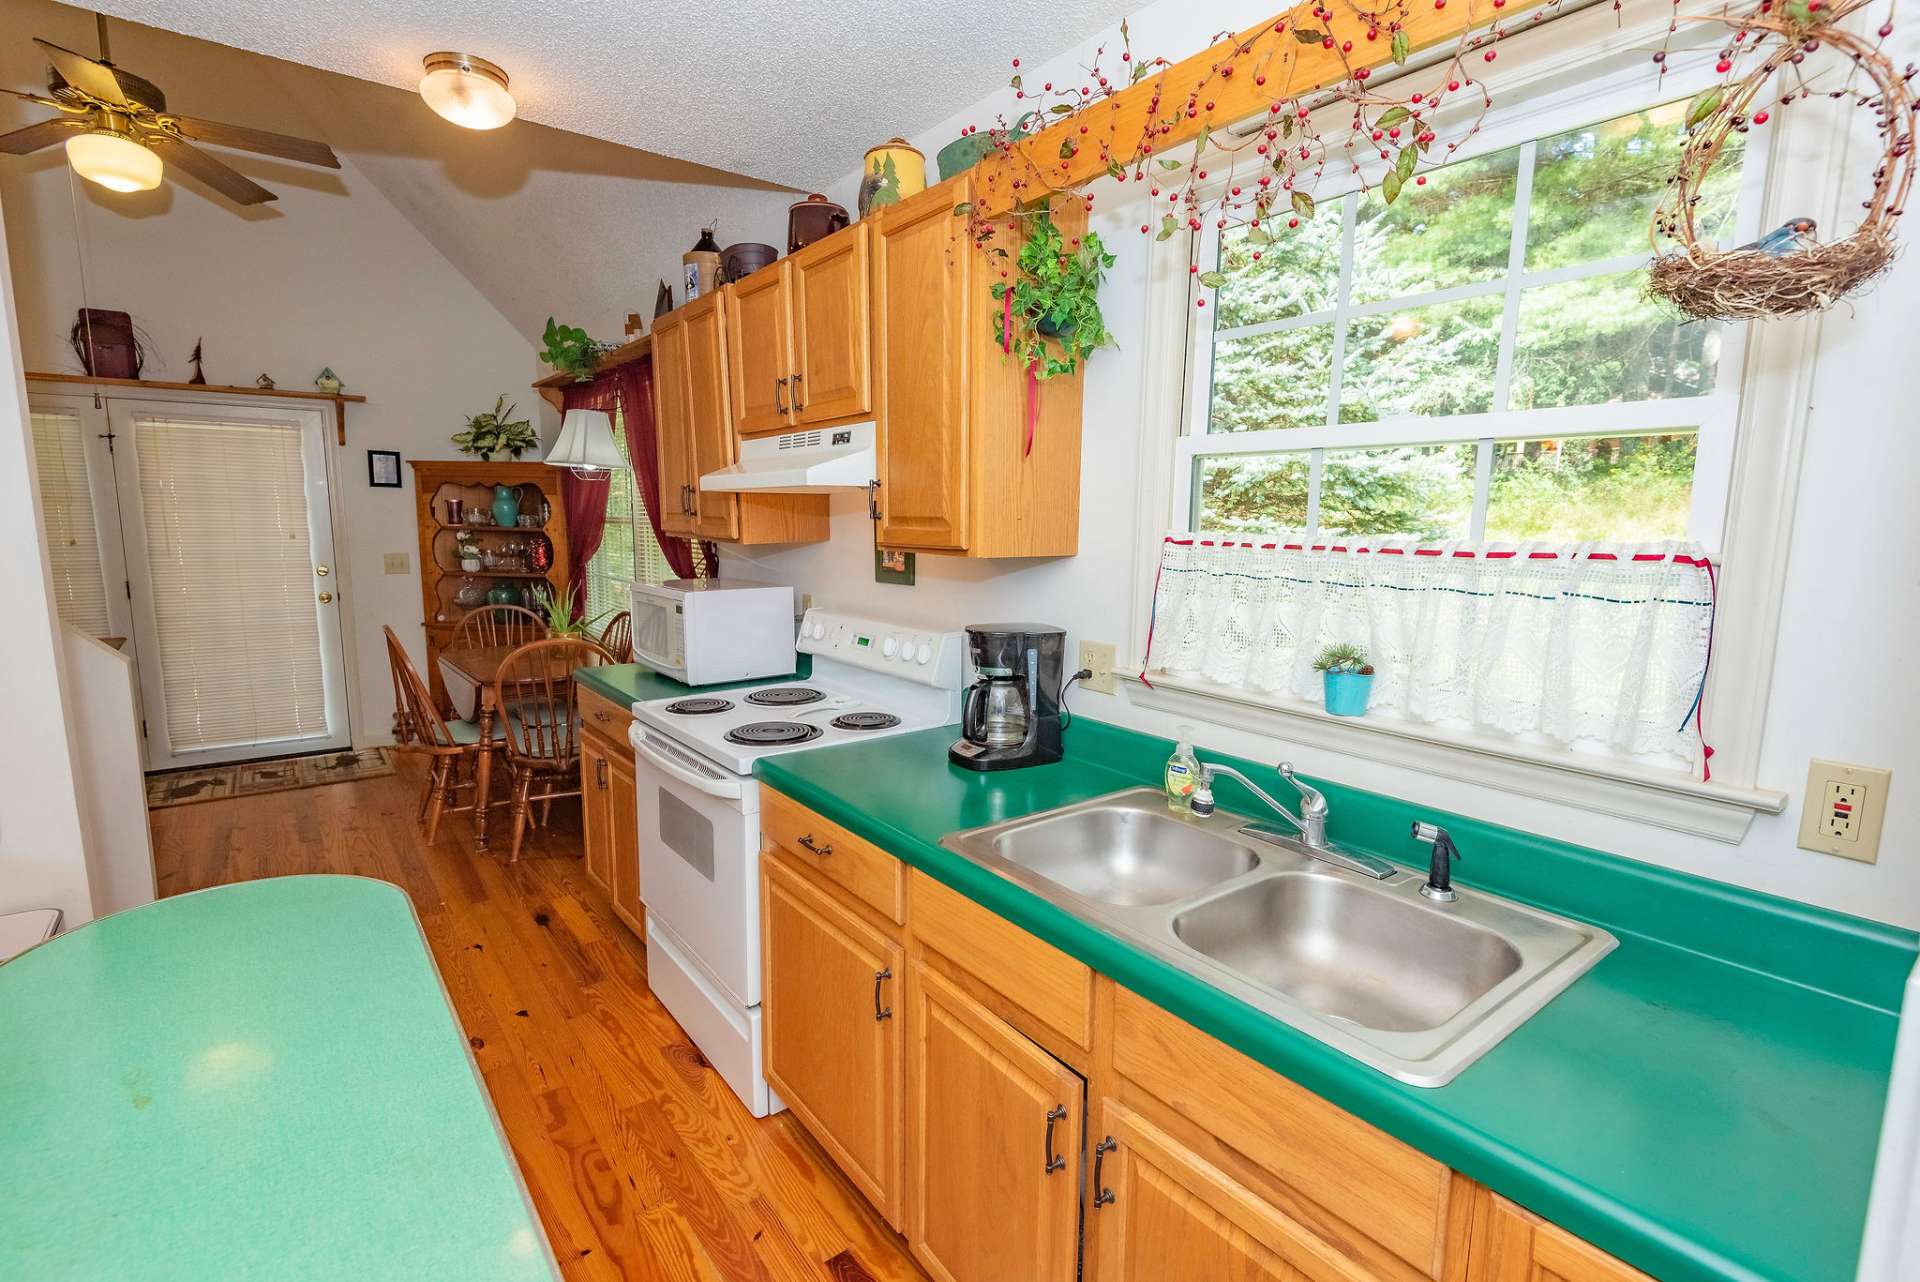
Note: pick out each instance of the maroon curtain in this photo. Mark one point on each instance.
(635, 380)
(584, 498)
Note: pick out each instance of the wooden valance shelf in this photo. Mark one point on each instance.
(340, 399)
(553, 387)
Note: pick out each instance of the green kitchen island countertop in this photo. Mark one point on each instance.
(1703, 1104)
(258, 1082)
(630, 683)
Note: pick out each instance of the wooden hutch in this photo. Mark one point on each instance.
(472, 483)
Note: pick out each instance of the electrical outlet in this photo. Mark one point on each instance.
(396, 562)
(1097, 658)
(1843, 810)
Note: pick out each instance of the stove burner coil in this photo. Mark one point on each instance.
(866, 721)
(785, 696)
(768, 734)
(698, 707)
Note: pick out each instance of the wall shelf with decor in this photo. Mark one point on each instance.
(512, 549)
(340, 399)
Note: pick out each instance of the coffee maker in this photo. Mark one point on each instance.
(1011, 715)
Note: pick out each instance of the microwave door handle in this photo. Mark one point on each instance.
(728, 788)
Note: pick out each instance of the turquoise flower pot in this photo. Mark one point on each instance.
(1347, 693)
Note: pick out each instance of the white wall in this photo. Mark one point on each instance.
(1844, 686)
(43, 833)
(103, 709)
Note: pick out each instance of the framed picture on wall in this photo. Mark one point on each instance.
(383, 469)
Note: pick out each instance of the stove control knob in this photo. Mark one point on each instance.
(819, 631)
(923, 654)
(890, 646)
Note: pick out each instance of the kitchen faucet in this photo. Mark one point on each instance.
(1310, 823)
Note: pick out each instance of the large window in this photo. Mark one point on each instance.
(1476, 361)
(628, 551)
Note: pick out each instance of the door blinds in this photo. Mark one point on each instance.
(66, 510)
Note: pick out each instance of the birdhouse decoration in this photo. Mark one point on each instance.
(1799, 266)
(328, 381)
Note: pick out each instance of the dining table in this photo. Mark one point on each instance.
(472, 677)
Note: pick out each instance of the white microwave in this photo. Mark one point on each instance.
(707, 631)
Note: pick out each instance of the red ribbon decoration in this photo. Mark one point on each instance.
(1033, 368)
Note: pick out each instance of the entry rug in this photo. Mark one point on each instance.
(254, 778)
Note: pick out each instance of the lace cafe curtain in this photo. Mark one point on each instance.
(1591, 647)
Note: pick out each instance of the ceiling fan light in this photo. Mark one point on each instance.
(468, 90)
(114, 161)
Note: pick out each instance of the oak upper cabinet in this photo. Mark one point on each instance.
(1512, 1244)
(994, 1144)
(798, 341)
(956, 471)
(673, 426)
(693, 405)
(831, 987)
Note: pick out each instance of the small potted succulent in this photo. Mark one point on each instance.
(1348, 678)
(468, 550)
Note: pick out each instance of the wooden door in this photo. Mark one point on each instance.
(1157, 1211)
(670, 383)
(1512, 1244)
(717, 516)
(830, 996)
(994, 1165)
(760, 362)
(596, 815)
(921, 275)
(833, 362)
(623, 839)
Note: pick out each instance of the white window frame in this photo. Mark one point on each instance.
(1761, 426)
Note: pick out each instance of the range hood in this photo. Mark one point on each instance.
(818, 461)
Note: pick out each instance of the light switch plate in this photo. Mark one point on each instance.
(1843, 809)
(396, 562)
(1097, 657)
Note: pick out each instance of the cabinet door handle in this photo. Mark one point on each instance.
(880, 977)
(806, 843)
(798, 404)
(600, 774)
(1055, 1162)
(779, 401)
(1102, 1196)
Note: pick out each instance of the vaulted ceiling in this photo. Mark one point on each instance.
(792, 93)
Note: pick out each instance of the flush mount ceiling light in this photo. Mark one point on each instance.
(110, 156)
(468, 90)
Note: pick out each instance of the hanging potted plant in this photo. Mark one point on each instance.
(1347, 677)
(571, 350)
(496, 431)
(1053, 301)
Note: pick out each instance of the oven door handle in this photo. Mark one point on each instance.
(728, 788)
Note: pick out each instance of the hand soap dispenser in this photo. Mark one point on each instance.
(1183, 772)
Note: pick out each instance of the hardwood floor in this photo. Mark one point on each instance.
(642, 1163)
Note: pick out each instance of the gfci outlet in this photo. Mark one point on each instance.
(1843, 810)
(1097, 658)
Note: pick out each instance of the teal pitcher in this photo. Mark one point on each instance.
(506, 505)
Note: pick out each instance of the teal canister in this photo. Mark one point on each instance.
(506, 505)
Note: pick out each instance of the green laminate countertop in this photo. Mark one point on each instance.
(258, 1082)
(1704, 1103)
(630, 683)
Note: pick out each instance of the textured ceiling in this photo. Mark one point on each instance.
(790, 93)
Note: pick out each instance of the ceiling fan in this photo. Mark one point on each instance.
(120, 134)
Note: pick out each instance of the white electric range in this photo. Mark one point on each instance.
(699, 811)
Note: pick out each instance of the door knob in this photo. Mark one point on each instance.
(326, 598)
(322, 571)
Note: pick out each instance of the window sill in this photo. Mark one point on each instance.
(1720, 811)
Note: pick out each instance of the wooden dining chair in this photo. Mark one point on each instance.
(490, 625)
(450, 747)
(617, 640)
(543, 727)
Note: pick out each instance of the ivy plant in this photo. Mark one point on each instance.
(1056, 298)
(571, 350)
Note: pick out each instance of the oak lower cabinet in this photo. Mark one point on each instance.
(609, 817)
(956, 470)
(829, 993)
(995, 1123)
(1512, 1244)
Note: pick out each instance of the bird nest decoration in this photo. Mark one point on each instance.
(1789, 271)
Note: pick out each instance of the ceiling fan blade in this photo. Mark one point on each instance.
(34, 137)
(285, 146)
(83, 73)
(235, 186)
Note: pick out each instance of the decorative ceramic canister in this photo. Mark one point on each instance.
(702, 265)
(892, 172)
(814, 218)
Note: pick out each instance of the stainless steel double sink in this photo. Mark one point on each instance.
(1415, 988)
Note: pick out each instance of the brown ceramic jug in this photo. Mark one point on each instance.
(814, 218)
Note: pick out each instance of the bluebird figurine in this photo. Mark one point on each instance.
(1794, 234)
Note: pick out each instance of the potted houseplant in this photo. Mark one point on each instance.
(469, 551)
(1348, 678)
(496, 431)
(561, 619)
(571, 350)
(1056, 299)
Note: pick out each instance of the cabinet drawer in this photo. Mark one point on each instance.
(1053, 987)
(603, 716)
(1333, 1164)
(862, 869)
